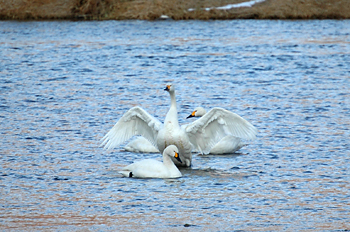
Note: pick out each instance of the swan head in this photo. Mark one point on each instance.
(170, 88)
(198, 112)
(172, 151)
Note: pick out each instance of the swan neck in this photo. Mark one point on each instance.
(168, 162)
(171, 117)
(173, 100)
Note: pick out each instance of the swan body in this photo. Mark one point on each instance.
(142, 145)
(150, 168)
(201, 134)
(229, 144)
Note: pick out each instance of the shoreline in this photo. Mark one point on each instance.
(80, 10)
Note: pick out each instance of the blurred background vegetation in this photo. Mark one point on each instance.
(175, 9)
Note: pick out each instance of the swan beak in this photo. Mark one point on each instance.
(177, 157)
(167, 88)
(192, 115)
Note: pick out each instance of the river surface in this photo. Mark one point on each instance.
(64, 84)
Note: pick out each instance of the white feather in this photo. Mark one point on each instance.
(140, 144)
(205, 132)
(227, 145)
(134, 122)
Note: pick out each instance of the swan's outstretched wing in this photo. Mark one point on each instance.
(134, 122)
(205, 132)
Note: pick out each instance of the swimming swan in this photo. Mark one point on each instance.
(228, 144)
(203, 133)
(150, 168)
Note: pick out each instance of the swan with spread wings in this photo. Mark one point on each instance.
(201, 134)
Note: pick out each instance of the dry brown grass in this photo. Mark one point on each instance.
(303, 9)
(36, 9)
(176, 9)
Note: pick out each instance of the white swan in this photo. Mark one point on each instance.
(150, 168)
(228, 144)
(203, 133)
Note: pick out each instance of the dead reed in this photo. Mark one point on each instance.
(176, 9)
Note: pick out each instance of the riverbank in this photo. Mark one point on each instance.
(175, 9)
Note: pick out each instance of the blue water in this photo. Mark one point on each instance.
(63, 85)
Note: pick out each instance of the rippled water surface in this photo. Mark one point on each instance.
(63, 85)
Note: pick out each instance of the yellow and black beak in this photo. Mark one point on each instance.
(167, 88)
(192, 115)
(177, 157)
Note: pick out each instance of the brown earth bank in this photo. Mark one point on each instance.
(175, 9)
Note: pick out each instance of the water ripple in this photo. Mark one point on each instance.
(64, 84)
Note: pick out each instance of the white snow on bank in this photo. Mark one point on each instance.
(230, 6)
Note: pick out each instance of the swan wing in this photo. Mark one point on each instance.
(205, 132)
(134, 122)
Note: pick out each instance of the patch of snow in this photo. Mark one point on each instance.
(164, 17)
(230, 6)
